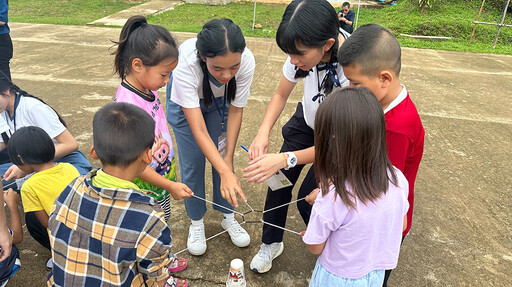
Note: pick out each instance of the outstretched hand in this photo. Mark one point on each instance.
(14, 172)
(229, 188)
(263, 167)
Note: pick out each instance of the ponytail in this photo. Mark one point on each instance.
(150, 43)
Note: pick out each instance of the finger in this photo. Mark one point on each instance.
(232, 198)
(263, 178)
(258, 158)
(242, 195)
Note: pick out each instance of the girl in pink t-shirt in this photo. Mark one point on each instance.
(359, 213)
(145, 56)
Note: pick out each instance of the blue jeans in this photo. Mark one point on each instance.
(322, 277)
(76, 158)
(192, 159)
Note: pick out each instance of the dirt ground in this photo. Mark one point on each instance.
(462, 227)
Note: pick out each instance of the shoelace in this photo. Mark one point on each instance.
(235, 226)
(197, 233)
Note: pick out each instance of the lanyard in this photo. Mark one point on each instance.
(16, 103)
(223, 105)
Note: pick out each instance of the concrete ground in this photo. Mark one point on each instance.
(462, 226)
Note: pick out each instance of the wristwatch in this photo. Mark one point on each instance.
(291, 160)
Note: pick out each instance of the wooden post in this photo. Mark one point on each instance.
(501, 24)
(478, 17)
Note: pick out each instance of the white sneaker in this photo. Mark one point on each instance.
(196, 242)
(238, 235)
(262, 262)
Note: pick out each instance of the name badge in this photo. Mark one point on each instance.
(278, 181)
(222, 141)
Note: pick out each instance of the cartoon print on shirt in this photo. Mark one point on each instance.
(161, 150)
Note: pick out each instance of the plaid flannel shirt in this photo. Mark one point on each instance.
(107, 237)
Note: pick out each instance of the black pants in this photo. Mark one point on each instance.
(5, 56)
(37, 230)
(297, 135)
(388, 272)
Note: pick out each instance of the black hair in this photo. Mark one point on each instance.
(7, 85)
(32, 145)
(345, 4)
(150, 43)
(309, 23)
(215, 39)
(350, 146)
(373, 48)
(121, 133)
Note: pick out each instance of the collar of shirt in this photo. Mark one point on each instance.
(97, 181)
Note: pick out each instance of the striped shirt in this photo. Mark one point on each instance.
(107, 237)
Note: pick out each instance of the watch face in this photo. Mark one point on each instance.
(293, 160)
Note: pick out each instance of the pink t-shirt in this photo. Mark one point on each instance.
(359, 241)
(163, 153)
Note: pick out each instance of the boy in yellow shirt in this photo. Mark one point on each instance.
(32, 150)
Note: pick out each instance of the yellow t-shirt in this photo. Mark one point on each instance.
(41, 189)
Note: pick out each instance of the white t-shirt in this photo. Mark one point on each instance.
(187, 78)
(311, 83)
(32, 112)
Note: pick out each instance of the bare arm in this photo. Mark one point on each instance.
(42, 217)
(275, 107)
(315, 248)
(266, 165)
(229, 181)
(5, 237)
(12, 199)
(178, 190)
(66, 144)
(233, 130)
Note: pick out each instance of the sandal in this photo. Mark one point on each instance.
(175, 282)
(178, 264)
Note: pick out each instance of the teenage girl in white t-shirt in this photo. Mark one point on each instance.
(309, 33)
(205, 101)
(20, 109)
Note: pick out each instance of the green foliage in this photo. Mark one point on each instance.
(425, 4)
(67, 12)
(448, 18)
(192, 17)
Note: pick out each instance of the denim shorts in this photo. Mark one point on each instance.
(322, 277)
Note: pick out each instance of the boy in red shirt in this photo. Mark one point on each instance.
(371, 57)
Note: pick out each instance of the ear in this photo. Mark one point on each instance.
(93, 154)
(137, 65)
(386, 78)
(147, 156)
(328, 44)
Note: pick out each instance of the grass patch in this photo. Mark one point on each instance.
(192, 17)
(66, 12)
(451, 18)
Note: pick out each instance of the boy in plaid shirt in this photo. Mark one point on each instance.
(103, 230)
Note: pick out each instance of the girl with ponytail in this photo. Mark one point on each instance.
(205, 100)
(310, 34)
